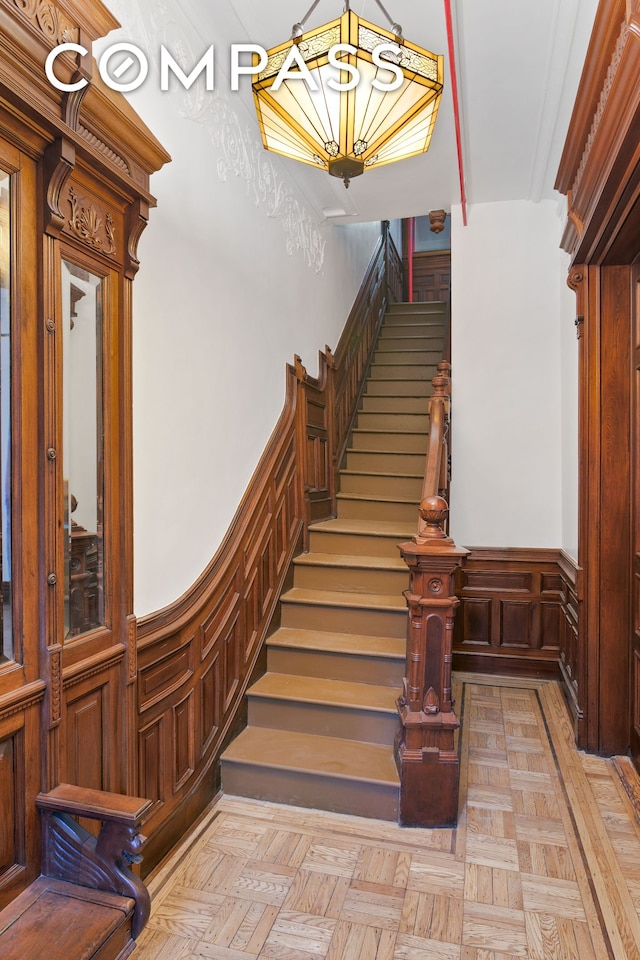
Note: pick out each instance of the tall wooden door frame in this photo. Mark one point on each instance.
(600, 174)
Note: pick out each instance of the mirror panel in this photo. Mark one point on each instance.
(83, 449)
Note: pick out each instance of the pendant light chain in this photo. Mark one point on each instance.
(298, 28)
(397, 29)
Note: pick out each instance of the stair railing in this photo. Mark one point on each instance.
(426, 752)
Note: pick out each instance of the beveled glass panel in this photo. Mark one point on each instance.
(83, 449)
(6, 645)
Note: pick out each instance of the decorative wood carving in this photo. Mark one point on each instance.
(137, 220)
(59, 161)
(437, 220)
(55, 685)
(91, 225)
(133, 648)
(103, 148)
(71, 853)
(50, 20)
(427, 761)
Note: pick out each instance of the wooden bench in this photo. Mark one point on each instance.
(87, 903)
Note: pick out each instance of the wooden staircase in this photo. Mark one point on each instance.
(322, 719)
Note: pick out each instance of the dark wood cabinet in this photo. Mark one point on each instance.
(74, 198)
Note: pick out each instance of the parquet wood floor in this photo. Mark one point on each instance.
(544, 863)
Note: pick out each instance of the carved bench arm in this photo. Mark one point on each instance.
(95, 804)
(72, 853)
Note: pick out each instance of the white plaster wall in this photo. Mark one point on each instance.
(238, 275)
(507, 439)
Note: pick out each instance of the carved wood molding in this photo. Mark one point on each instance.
(137, 220)
(133, 650)
(22, 698)
(103, 148)
(599, 153)
(50, 20)
(59, 162)
(55, 685)
(91, 223)
(93, 665)
(602, 102)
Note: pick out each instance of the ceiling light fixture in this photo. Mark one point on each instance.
(348, 96)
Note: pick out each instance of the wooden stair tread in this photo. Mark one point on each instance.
(410, 351)
(353, 561)
(380, 473)
(335, 598)
(376, 528)
(378, 499)
(396, 453)
(350, 695)
(395, 433)
(312, 754)
(351, 644)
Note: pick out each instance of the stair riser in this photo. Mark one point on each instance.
(377, 623)
(399, 388)
(383, 355)
(380, 462)
(408, 329)
(359, 545)
(331, 665)
(377, 510)
(411, 342)
(350, 580)
(402, 371)
(372, 404)
(316, 791)
(389, 442)
(412, 422)
(381, 486)
(400, 306)
(417, 311)
(322, 719)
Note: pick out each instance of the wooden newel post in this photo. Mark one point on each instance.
(425, 747)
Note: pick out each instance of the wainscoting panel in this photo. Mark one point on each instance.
(510, 616)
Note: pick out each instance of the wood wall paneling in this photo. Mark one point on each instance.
(10, 802)
(510, 611)
(151, 765)
(431, 276)
(84, 723)
(183, 737)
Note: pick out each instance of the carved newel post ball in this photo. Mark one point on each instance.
(434, 511)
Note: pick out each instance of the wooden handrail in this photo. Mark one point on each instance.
(436, 468)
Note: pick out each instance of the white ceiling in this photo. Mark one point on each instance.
(518, 66)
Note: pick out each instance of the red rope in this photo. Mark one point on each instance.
(456, 109)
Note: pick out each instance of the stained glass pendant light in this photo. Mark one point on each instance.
(350, 97)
